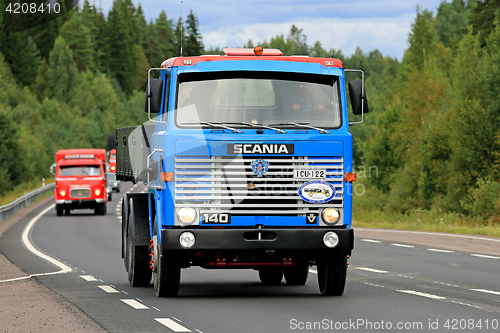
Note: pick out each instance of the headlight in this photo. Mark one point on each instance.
(331, 239)
(108, 190)
(62, 193)
(186, 215)
(330, 215)
(113, 168)
(97, 192)
(115, 184)
(187, 239)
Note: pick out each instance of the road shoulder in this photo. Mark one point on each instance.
(29, 306)
(455, 242)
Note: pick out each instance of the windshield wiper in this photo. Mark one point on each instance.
(220, 125)
(278, 130)
(305, 125)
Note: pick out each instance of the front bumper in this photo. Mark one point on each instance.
(248, 239)
(80, 204)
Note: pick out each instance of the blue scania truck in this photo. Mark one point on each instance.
(247, 159)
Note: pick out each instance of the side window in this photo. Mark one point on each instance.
(166, 93)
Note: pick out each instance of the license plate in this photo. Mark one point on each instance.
(309, 173)
(210, 218)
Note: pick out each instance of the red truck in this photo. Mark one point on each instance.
(112, 160)
(80, 180)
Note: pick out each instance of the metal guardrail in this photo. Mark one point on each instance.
(20, 203)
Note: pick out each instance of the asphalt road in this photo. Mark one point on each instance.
(392, 287)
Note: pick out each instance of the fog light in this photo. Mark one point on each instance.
(97, 192)
(331, 239)
(187, 239)
(62, 193)
(330, 216)
(186, 215)
(113, 168)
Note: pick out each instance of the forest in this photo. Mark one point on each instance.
(431, 140)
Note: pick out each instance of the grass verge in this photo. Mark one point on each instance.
(22, 189)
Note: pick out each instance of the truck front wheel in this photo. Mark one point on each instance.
(59, 210)
(166, 273)
(100, 209)
(271, 276)
(332, 273)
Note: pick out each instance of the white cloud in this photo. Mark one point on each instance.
(388, 35)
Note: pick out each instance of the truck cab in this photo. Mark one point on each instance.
(80, 180)
(248, 166)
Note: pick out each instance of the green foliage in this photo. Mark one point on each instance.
(193, 45)
(484, 200)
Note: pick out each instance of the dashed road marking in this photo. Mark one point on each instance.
(108, 289)
(371, 241)
(313, 271)
(439, 250)
(447, 284)
(418, 293)
(487, 291)
(172, 325)
(133, 303)
(373, 270)
(402, 245)
(484, 256)
(88, 278)
(373, 285)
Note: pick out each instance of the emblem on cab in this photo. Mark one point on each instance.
(260, 167)
(317, 191)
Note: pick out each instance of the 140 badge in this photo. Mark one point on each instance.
(216, 218)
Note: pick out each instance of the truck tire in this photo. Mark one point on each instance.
(59, 210)
(100, 209)
(137, 263)
(166, 270)
(332, 273)
(297, 276)
(271, 276)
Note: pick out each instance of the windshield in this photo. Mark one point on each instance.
(258, 98)
(113, 157)
(79, 170)
(111, 176)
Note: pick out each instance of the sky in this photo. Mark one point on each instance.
(369, 24)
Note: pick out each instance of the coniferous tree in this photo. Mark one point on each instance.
(194, 43)
(62, 75)
(78, 36)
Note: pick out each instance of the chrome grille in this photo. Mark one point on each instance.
(219, 184)
(79, 193)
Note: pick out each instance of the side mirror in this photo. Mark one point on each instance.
(154, 96)
(52, 169)
(358, 97)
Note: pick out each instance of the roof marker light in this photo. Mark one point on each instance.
(258, 50)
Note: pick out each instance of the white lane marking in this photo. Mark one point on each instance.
(25, 238)
(371, 270)
(373, 285)
(439, 250)
(133, 303)
(471, 305)
(484, 256)
(197, 330)
(313, 271)
(487, 291)
(156, 309)
(88, 278)
(371, 241)
(172, 325)
(108, 289)
(402, 245)
(405, 276)
(430, 233)
(180, 321)
(447, 284)
(418, 293)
